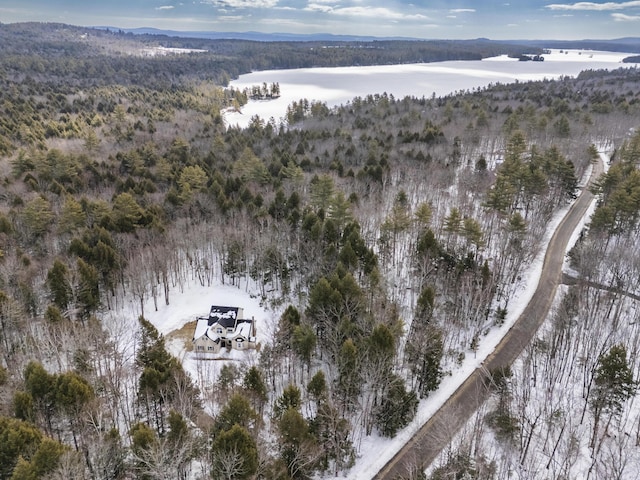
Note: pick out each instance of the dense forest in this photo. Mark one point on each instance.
(388, 234)
(90, 57)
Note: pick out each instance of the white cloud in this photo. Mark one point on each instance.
(317, 7)
(165, 7)
(241, 3)
(621, 17)
(594, 6)
(462, 10)
(368, 12)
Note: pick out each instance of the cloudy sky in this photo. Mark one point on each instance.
(507, 19)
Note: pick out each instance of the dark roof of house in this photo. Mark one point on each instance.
(225, 316)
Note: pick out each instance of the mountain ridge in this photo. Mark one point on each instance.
(280, 36)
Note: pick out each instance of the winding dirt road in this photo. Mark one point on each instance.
(423, 448)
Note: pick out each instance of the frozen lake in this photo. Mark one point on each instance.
(339, 85)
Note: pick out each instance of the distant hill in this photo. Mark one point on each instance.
(256, 36)
(627, 44)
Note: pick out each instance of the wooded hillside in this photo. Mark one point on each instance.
(389, 234)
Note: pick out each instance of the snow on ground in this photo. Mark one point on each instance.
(163, 51)
(340, 85)
(185, 306)
(196, 300)
(376, 451)
(604, 158)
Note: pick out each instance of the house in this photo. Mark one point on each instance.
(224, 328)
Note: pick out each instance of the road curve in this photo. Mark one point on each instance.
(425, 445)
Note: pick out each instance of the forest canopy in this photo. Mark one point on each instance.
(386, 235)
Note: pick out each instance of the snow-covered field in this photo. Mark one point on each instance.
(337, 86)
(163, 51)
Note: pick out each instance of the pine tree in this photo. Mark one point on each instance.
(17, 439)
(349, 381)
(304, 343)
(254, 383)
(290, 399)
(321, 191)
(614, 385)
(397, 409)
(160, 377)
(127, 213)
(298, 448)
(72, 216)
(87, 290)
(238, 411)
(59, 285)
(234, 455)
(37, 216)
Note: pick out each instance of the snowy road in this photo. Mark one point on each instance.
(423, 448)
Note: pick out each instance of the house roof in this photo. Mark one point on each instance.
(202, 324)
(225, 316)
(243, 329)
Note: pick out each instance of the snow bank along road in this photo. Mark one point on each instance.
(422, 449)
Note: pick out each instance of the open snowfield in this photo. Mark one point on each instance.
(337, 86)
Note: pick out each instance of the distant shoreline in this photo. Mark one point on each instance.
(339, 85)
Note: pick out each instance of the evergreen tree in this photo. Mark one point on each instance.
(160, 377)
(317, 386)
(17, 439)
(453, 222)
(88, 290)
(41, 385)
(192, 179)
(614, 384)
(237, 411)
(127, 213)
(423, 216)
(321, 191)
(37, 216)
(397, 409)
(290, 399)
(331, 431)
(349, 381)
(255, 386)
(59, 285)
(235, 455)
(43, 461)
(298, 447)
(304, 343)
(72, 216)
